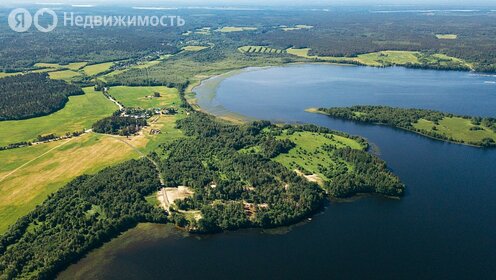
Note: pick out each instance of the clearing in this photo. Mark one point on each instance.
(260, 49)
(308, 155)
(95, 69)
(143, 97)
(228, 29)
(79, 113)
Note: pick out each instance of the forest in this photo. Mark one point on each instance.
(412, 119)
(274, 194)
(117, 125)
(33, 95)
(83, 215)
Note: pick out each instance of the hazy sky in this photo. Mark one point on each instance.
(262, 2)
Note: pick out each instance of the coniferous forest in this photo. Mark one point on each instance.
(33, 95)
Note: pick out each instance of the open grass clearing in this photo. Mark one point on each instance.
(79, 113)
(308, 154)
(457, 128)
(65, 75)
(297, 27)
(95, 69)
(228, 29)
(49, 167)
(447, 36)
(194, 48)
(143, 97)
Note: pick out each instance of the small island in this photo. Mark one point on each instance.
(474, 131)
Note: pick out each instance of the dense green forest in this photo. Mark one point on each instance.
(33, 95)
(476, 131)
(81, 216)
(278, 196)
(123, 126)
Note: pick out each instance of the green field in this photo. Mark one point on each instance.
(308, 155)
(96, 69)
(143, 96)
(457, 128)
(390, 58)
(305, 54)
(79, 113)
(28, 175)
(260, 49)
(228, 29)
(71, 66)
(66, 75)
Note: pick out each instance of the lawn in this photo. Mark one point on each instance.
(457, 128)
(28, 175)
(143, 96)
(308, 155)
(96, 69)
(228, 29)
(79, 113)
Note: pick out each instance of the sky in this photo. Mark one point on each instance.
(263, 2)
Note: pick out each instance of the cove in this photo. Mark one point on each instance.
(443, 228)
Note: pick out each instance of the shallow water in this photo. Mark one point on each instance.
(443, 228)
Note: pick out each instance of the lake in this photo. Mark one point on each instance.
(445, 226)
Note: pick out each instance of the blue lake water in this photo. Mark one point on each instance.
(444, 228)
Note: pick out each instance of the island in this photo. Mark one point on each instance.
(475, 131)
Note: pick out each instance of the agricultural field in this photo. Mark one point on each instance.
(456, 128)
(71, 66)
(79, 113)
(96, 69)
(305, 54)
(389, 58)
(308, 155)
(260, 49)
(194, 48)
(204, 31)
(65, 75)
(447, 36)
(28, 175)
(228, 29)
(143, 97)
(296, 27)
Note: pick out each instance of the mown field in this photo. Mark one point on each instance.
(96, 69)
(79, 113)
(28, 175)
(65, 75)
(143, 96)
(228, 29)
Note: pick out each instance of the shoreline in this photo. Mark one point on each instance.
(317, 111)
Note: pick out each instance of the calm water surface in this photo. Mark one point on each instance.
(444, 228)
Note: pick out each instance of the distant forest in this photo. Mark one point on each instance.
(33, 95)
